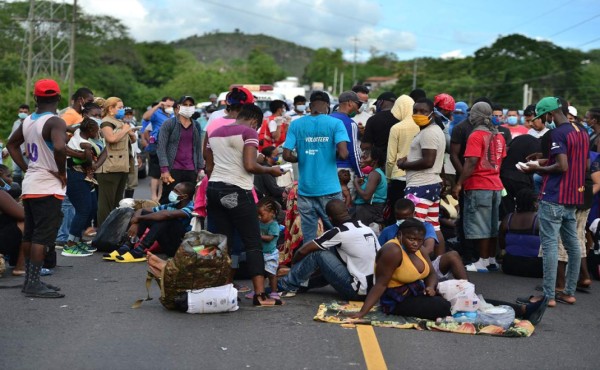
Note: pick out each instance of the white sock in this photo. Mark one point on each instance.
(482, 262)
(492, 261)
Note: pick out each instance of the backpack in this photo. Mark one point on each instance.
(113, 232)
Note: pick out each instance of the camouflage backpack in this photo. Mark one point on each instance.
(200, 262)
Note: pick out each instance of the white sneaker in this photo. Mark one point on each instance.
(474, 267)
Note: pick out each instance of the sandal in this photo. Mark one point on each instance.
(565, 298)
(535, 311)
(277, 298)
(18, 272)
(128, 257)
(534, 299)
(263, 301)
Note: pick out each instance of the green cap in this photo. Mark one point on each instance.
(546, 105)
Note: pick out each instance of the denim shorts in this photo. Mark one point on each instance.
(481, 213)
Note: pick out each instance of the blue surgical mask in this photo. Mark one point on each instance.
(173, 197)
(399, 222)
(97, 120)
(22, 115)
(522, 120)
(512, 120)
(550, 125)
(6, 186)
(496, 121)
(120, 113)
(275, 159)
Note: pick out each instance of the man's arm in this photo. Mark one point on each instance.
(454, 157)
(288, 156)
(304, 251)
(354, 150)
(148, 114)
(160, 216)
(252, 166)
(469, 167)
(424, 163)
(14, 148)
(342, 150)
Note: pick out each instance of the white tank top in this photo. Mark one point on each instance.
(39, 179)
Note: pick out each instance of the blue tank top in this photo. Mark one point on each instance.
(380, 194)
(522, 244)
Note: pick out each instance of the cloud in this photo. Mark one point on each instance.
(312, 23)
(454, 54)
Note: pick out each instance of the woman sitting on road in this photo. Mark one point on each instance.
(405, 280)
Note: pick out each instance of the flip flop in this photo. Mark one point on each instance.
(128, 257)
(112, 256)
(257, 303)
(18, 273)
(564, 298)
(535, 311)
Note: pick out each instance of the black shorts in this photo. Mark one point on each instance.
(153, 165)
(43, 217)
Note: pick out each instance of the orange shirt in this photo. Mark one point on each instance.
(71, 117)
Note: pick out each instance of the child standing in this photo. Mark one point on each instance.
(269, 233)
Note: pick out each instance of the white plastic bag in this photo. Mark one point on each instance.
(460, 294)
(212, 300)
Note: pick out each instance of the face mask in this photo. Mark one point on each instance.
(399, 222)
(97, 120)
(275, 159)
(186, 111)
(352, 115)
(173, 197)
(496, 121)
(169, 110)
(421, 119)
(22, 115)
(364, 108)
(120, 113)
(550, 125)
(512, 120)
(300, 108)
(522, 119)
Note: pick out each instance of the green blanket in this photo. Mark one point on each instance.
(335, 312)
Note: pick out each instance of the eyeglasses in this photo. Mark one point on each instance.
(358, 103)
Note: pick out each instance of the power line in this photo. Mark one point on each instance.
(575, 25)
(588, 42)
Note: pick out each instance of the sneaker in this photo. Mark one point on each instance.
(75, 251)
(473, 267)
(45, 272)
(89, 247)
(492, 267)
(59, 244)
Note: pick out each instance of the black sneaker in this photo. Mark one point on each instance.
(40, 290)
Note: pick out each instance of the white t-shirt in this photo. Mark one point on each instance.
(357, 246)
(431, 137)
(537, 134)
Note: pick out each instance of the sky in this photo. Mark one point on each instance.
(408, 28)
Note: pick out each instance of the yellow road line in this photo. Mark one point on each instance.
(370, 347)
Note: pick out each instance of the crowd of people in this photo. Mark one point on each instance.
(424, 189)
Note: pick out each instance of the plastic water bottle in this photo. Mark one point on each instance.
(465, 316)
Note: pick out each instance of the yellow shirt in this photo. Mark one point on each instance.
(407, 273)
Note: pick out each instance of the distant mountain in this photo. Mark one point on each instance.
(210, 47)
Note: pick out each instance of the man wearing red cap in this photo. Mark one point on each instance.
(44, 135)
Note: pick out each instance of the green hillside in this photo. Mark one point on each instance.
(212, 47)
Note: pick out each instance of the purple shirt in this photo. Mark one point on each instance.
(184, 159)
(567, 188)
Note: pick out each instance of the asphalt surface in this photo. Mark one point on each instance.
(94, 327)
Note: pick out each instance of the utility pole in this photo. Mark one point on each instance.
(355, 60)
(414, 74)
(341, 82)
(527, 95)
(29, 52)
(72, 51)
(335, 74)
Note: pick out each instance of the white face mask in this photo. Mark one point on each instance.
(169, 110)
(186, 111)
(300, 108)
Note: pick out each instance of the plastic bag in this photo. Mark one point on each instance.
(213, 300)
(460, 294)
(113, 232)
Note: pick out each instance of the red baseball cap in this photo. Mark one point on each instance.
(46, 87)
(239, 95)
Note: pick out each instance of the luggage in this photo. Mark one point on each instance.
(210, 300)
(113, 232)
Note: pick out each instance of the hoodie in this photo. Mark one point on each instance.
(401, 136)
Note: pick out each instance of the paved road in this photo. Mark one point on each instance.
(93, 327)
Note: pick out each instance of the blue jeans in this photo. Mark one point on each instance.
(558, 220)
(68, 212)
(311, 209)
(332, 268)
(84, 202)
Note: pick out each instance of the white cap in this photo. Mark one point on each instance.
(572, 111)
